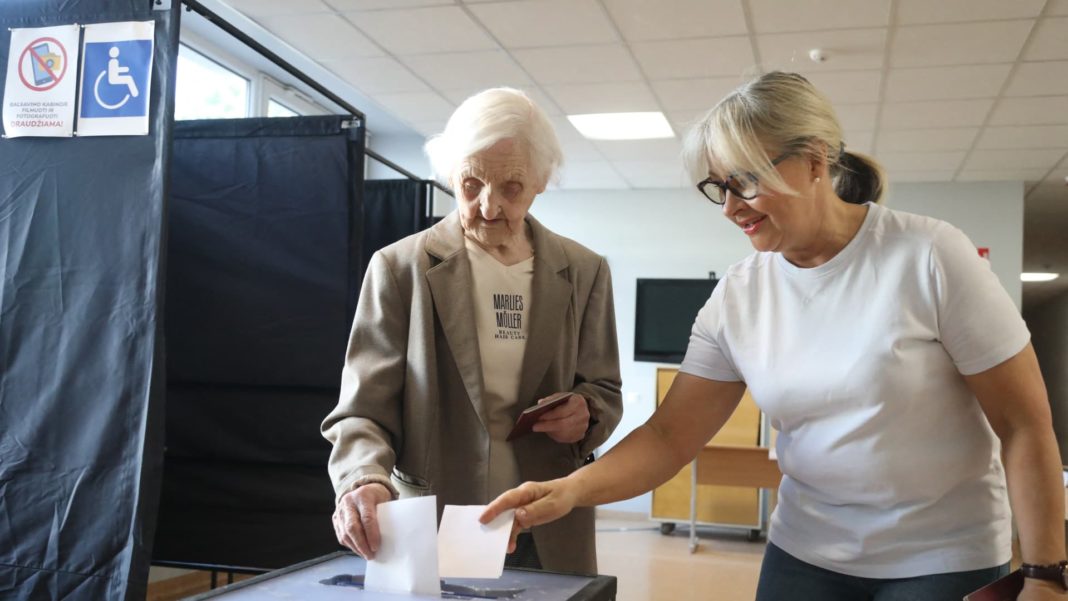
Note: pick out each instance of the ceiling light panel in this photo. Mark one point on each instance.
(622, 126)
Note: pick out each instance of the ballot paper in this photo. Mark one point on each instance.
(407, 559)
(469, 549)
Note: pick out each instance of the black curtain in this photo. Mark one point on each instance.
(393, 209)
(81, 406)
(265, 261)
(271, 229)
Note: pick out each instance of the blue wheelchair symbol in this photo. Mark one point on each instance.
(115, 78)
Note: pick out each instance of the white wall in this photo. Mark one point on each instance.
(404, 150)
(679, 234)
(990, 213)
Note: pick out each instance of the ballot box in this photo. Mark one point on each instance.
(339, 577)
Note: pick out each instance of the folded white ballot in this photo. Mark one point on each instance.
(469, 549)
(407, 560)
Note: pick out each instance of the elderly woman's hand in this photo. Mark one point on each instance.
(356, 519)
(568, 422)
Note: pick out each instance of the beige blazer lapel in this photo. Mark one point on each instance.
(552, 298)
(450, 284)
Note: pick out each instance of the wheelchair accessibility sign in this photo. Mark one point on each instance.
(116, 79)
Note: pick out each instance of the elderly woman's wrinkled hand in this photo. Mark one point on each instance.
(356, 519)
(568, 422)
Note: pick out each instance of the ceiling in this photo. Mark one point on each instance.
(947, 90)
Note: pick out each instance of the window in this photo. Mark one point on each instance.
(277, 109)
(207, 90)
(213, 84)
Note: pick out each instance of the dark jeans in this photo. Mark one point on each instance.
(783, 577)
(525, 554)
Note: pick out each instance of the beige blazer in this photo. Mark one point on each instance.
(411, 390)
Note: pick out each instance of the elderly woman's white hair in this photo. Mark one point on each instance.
(487, 118)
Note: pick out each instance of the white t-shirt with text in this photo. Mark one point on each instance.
(501, 297)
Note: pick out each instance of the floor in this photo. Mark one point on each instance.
(654, 567)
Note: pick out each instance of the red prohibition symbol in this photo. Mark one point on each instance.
(42, 63)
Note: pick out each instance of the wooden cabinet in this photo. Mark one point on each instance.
(737, 446)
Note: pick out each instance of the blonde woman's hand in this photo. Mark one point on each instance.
(1041, 590)
(535, 503)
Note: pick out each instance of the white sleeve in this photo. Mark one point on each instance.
(708, 355)
(978, 323)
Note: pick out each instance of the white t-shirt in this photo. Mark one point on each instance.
(890, 469)
(501, 297)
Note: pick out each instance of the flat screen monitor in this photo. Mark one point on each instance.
(664, 315)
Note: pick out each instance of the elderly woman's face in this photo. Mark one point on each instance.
(494, 189)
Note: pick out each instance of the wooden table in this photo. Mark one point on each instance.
(729, 465)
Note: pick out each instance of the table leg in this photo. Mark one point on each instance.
(693, 506)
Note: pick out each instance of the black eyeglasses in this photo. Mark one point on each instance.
(742, 185)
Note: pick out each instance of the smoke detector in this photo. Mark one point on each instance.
(817, 55)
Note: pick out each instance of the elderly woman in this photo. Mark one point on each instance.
(463, 326)
(897, 370)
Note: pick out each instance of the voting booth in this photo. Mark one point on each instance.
(175, 302)
(81, 268)
(338, 577)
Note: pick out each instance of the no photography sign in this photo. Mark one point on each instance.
(40, 84)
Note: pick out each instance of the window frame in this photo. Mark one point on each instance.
(287, 96)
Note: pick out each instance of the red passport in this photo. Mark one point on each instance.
(531, 414)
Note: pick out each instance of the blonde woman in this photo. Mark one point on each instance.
(894, 365)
